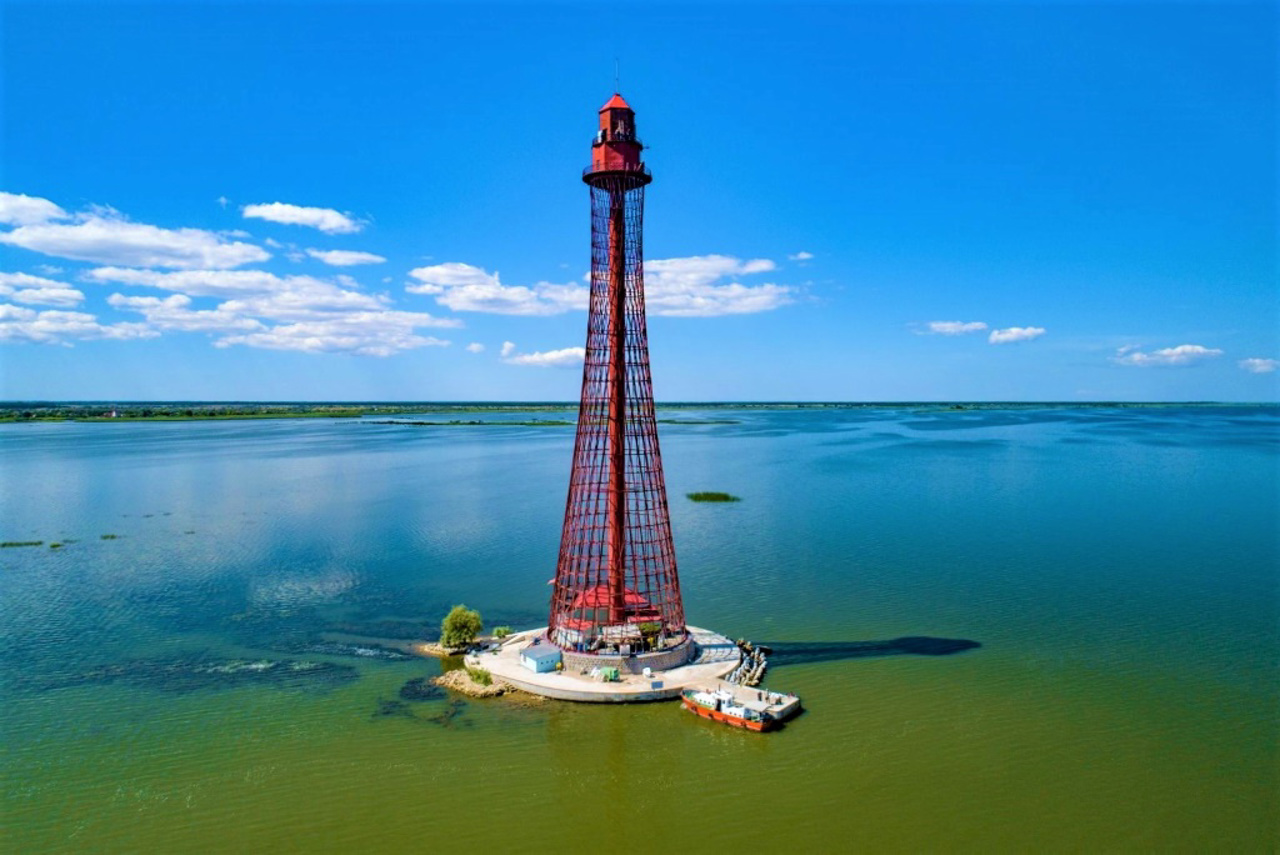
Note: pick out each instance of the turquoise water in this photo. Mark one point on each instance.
(1107, 578)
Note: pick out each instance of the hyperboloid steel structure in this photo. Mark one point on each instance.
(616, 589)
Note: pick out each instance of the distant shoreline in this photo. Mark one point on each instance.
(170, 411)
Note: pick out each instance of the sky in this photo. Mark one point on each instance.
(852, 202)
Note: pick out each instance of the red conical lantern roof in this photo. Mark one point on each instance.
(617, 102)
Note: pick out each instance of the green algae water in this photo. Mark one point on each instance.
(1014, 629)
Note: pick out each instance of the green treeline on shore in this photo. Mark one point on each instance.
(32, 411)
(188, 411)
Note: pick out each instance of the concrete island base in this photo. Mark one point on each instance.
(715, 657)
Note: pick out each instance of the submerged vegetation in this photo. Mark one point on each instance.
(711, 496)
(188, 674)
(420, 689)
(13, 543)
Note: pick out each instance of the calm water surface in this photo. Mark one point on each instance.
(1112, 573)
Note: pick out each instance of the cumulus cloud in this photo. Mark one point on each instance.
(952, 327)
(691, 287)
(17, 209)
(475, 347)
(367, 334)
(800, 256)
(104, 236)
(345, 257)
(261, 294)
(1259, 365)
(261, 309)
(1183, 354)
(508, 348)
(685, 287)
(467, 288)
(1008, 335)
(565, 357)
(175, 313)
(326, 220)
(19, 324)
(209, 283)
(38, 291)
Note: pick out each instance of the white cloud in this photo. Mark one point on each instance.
(1183, 354)
(800, 256)
(326, 220)
(309, 314)
(175, 313)
(18, 324)
(48, 269)
(475, 347)
(1012, 334)
(569, 296)
(36, 290)
(566, 357)
(953, 327)
(304, 305)
(439, 278)
(17, 209)
(756, 265)
(263, 294)
(208, 283)
(687, 287)
(345, 257)
(467, 288)
(223, 201)
(367, 334)
(1259, 365)
(675, 287)
(104, 236)
(508, 348)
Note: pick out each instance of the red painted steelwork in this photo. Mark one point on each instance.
(616, 580)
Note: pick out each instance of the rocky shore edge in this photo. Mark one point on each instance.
(436, 649)
(460, 680)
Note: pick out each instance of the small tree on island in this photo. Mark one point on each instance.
(460, 627)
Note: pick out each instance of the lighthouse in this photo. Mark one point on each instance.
(616, 591)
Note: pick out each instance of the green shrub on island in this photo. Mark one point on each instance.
(480, 675)
(12, 543)
(501, 631)
(111, 537)
(460, 627)
(711, 496)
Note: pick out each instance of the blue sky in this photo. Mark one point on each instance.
(851, 202)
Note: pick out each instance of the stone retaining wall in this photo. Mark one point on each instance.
(663, 660)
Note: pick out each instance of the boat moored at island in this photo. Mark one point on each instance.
(738, 706)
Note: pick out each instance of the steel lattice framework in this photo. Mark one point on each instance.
(616, 581)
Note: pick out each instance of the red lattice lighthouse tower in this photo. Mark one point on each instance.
(616, 590)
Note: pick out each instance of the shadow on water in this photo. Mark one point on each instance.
(800, 652)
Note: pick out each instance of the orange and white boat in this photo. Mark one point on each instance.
(739, 706)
